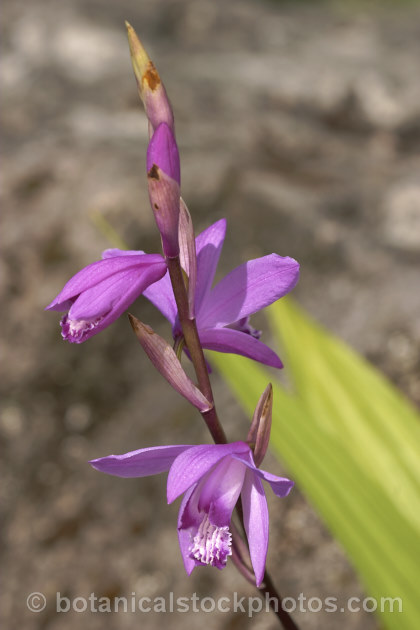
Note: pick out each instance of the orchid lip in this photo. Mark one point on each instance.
(211, 544)
(76, 330)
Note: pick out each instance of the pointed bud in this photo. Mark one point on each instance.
(150, 88)
(188, 254)
(259, 432)
(166, 362)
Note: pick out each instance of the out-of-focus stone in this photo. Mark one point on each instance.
(402, 216)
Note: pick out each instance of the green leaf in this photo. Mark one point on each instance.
(351, 442)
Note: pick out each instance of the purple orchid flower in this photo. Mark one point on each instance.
(98, 294)
(211, 477)
(222, 313)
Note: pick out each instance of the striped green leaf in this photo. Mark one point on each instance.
(351, 442)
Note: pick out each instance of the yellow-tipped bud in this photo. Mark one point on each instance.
(145, 72)
(150, 87)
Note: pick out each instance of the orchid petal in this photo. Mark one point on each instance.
(161, 295)
(281, 486)
(208, 245)
(186, 529)
(141, 463)
(97, 272)
(193, 464)
(114, 252)
(229, 340)
(116, 293)
(221, 490)
(247, 289)
(255, 511)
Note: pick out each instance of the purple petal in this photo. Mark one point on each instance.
(161, 295)
(97, 272)
(163, 152)
(243, 325)
(188, 519)
(256, 523)
(281, 486)
(192, 465)
(115, 252)
(208, 245)
(221, 490)
(247, 289)
(233, 341)
(141, 463)
(98, 307)
(116, 292)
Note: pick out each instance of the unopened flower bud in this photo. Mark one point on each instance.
(259, 432)
(151, 89)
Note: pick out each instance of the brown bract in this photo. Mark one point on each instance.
(151, 77)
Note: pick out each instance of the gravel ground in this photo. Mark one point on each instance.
(301, 125)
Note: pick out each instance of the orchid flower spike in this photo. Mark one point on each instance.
(98, 294)
(222, 313)
(211, 477)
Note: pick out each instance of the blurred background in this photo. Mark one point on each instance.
(298, 122)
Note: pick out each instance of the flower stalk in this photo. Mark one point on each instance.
(192, 341)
